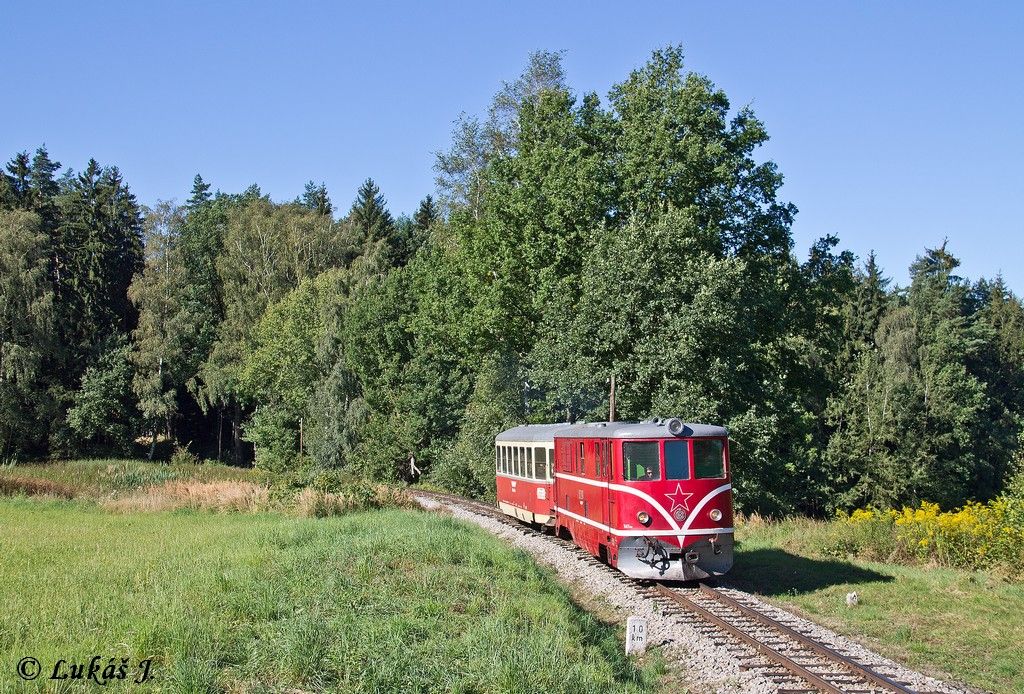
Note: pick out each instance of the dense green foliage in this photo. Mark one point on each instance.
(572, 239)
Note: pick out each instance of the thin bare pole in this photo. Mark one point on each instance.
(611, 401)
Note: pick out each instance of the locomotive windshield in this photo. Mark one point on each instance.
(677, 460)
(640, 461)
(708, 459)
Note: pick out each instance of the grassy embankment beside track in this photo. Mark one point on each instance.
(382, 600)
(969, 625)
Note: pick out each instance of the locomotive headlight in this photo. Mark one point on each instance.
(643, 517)
(715, 514)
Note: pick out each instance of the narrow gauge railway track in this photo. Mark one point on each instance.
(794, 661)
(779, 652)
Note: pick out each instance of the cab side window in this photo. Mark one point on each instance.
(641, 461)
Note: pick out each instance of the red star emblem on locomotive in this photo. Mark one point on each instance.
(679, 499)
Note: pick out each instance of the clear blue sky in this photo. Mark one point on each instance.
(895, 124)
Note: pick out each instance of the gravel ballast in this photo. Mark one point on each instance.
(700, 662)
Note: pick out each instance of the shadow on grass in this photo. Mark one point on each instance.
(777, 572)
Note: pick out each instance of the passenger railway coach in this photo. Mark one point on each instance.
(652, 498)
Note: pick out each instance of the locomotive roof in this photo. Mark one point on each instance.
(649, 429)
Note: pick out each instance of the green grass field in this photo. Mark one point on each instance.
(403, 600)
(377, 601)
(943, 621)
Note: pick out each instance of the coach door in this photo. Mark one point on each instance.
(603, 455)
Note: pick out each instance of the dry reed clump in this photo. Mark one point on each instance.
(317, 503)
(751, 520)
(34, 486)
(178, 494)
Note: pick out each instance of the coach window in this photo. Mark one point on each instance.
(540, 459)
(640, 461)
(708, 459)
(529, 463)
(504, 459)
(677, 460)
(515, 460)
(551, 463)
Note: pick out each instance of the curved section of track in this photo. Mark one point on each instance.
(795, 661)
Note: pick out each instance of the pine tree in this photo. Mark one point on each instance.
(864, 313)
(43, 187)
(913, 425)
(369, 213)
(426, 214)
(100, 251)
(372, 231)
(315, 198)
(200, 193)
(855, 453)
(16, 182)
(1000, 364)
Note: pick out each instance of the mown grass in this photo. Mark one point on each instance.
(968, 625)
(377, 601)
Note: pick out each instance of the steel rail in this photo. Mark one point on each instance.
(876, 678)
(758, 646)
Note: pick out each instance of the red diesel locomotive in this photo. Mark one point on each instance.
(652, 498)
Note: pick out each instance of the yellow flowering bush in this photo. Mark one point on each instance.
(976, 536)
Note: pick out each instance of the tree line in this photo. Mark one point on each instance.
(571, 238)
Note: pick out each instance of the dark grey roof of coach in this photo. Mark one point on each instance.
(608, 430)
(529, 433)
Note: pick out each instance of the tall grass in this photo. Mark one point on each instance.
(385, 600)
(222, 495)
(108, 477)
(127, 486)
